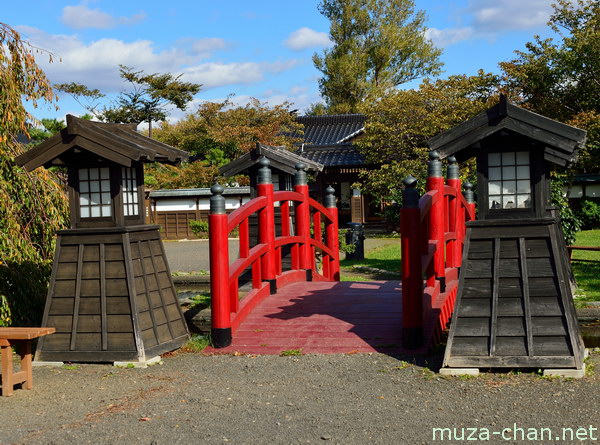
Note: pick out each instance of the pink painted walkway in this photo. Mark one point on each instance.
(326, 317)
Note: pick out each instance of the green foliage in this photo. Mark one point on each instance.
(49, 128)
(219, 132)
(188, 175)
(589, 214)
(400, 123)
(33, 203)
(377, 45)
(199, 228)
(147, 101)
(291, 352)
(343, 245)
(559, 79)
(569, 222)
(197, 343)
(587, 272)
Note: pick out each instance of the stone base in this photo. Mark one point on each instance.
(459, 371)
(567, 373)
(41, 363)
(152, 361)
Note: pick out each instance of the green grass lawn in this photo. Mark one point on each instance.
(387, 258)
(587, 274)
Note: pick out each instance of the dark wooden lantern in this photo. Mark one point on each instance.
(111, 297)
(514, 306)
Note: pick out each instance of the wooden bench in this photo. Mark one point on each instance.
(572, 248)
(21, 337)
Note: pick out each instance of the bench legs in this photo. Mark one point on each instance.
(9, 377)
(7, 369)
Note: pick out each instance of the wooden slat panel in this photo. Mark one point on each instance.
(137, 270)
(90, 240)
(145, 250)
(509, 268)
(545, 306)
(114, 252)
(119, 323)
(526, 301)
(64, 288)
(116, 288)
(540, 267)
(472, 327)
(510, 346)
(164, 280)
(179, 328)
(118, 305)
(548, 326)
(145, 320)
(120, 341)
(163, 333)
(511, 326)
(78, 293)
(509, 249)
(90, 288)
(149, 338)
(477, 288)
(62, 323)
(61, 306)
(169, 296)
(543, 287)
(155, 299)
(536, 231)
(147, 265)
(495, 288)
(90, 306)
(68, 254)
(92, 252)
(478, 269)
(511, 307)
(142, 302)
(89, 323)
(161, 265)
(88, 342)
(57, 342)
(155, 248)
(66, 271)
(159, 315)
(537, 247)
(475, 307)
(172, 312)
(90, 271)
(551, 346)
(477, 346)
(115, 269)
(510, 287)
(151, 283)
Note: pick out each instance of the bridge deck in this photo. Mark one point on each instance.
(327, 317)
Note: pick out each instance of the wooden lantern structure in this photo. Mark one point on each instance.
(111, 296)
(514, 306)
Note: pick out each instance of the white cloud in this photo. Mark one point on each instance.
(208, 45)
(448, 36)
(304, 38)
(96, 64)
(81, 17)
(491, 16)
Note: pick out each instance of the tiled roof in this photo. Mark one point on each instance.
(331, 129)
(336, 155)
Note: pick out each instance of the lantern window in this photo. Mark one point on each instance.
(94, 192)
(509, 180)
(130, 192)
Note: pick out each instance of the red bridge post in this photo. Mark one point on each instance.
(437, 215)
(412, 274)
(455, 210)
(303, 220)
(266, 224)
(219, 269)
(332, 234)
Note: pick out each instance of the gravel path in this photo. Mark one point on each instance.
(341, 399)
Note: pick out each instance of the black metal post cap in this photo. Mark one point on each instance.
(217, 189)
(300, 166)
(410, 182)
(434, 155)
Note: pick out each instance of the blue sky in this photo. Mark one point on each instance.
(259, 49)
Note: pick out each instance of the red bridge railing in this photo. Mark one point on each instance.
(312, 239)
(433, 233)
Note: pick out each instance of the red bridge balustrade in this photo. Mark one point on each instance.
(432, 232)
(313, 252)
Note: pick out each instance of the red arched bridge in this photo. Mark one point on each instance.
(284, 292)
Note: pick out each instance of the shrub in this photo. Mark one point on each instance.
(589, 214)
(199, 228)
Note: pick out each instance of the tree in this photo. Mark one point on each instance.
(148, 100)
(561, 78)
(377, 45)
(33, 205)
(400, 123)
(219, 132)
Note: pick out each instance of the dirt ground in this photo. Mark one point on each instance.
(341, 399)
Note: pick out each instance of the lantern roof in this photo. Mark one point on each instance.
(561, 142)
(119, 143)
